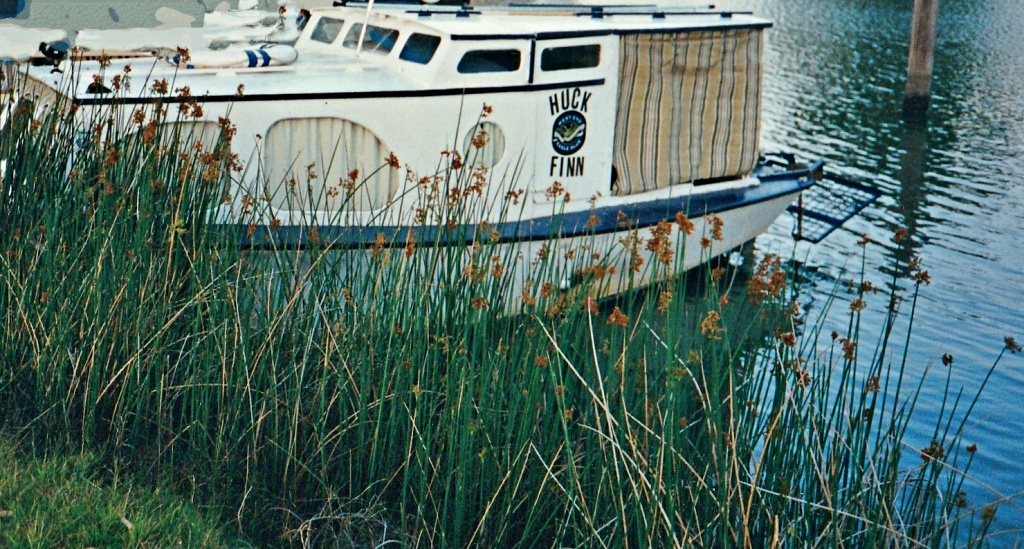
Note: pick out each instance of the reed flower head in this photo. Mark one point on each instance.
(497, 268)
(873, 385)
(481, 139)
(622, 219)
(934, 451)
(661, 243)
(716, 226)
(618, 318)
(1012, 345)
(849, 349)
(664, 301)
(917, 274)
(514, 196)
(788, 339)
(768, 280)
(527, 295)
(547, 290)
(711, 326)
(632, 243)
(378, 245)
(684, 223)
(803, 378)
(184, 55)
(555, 190)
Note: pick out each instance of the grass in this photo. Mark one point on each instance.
(70, 501)
(386, 396)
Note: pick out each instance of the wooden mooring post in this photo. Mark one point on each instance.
(922, 54)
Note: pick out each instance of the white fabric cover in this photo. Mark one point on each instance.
(307, 163)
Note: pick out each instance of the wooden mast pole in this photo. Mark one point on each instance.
(922, 54)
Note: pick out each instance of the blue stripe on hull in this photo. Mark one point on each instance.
(639, 215)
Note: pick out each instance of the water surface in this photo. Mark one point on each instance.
(833, 89)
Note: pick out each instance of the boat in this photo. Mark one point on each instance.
(586, 128)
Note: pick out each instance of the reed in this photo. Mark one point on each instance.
(428, 394)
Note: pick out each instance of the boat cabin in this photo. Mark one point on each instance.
(605, 103)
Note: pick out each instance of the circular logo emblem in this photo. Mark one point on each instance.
(569, 132)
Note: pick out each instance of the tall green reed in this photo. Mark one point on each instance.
(426, 393)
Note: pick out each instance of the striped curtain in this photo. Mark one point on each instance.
(688, 108)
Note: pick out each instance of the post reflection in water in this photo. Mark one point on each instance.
(912, 200)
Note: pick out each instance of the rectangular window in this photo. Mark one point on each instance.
(377, 39)
(477, 61)
(326, 30)
(570, 57)
(420, 48)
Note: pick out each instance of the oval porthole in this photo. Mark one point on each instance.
(484, 144)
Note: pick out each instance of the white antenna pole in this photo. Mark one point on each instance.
(366, 22)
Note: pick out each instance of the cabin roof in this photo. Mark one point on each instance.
(331, 69)
(525, 22)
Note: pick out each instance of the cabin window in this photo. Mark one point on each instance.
(327, 164)
(326, 30)
(420, 48)
(484, 144)
(377, 39)
(570, 57)
(478, 61)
